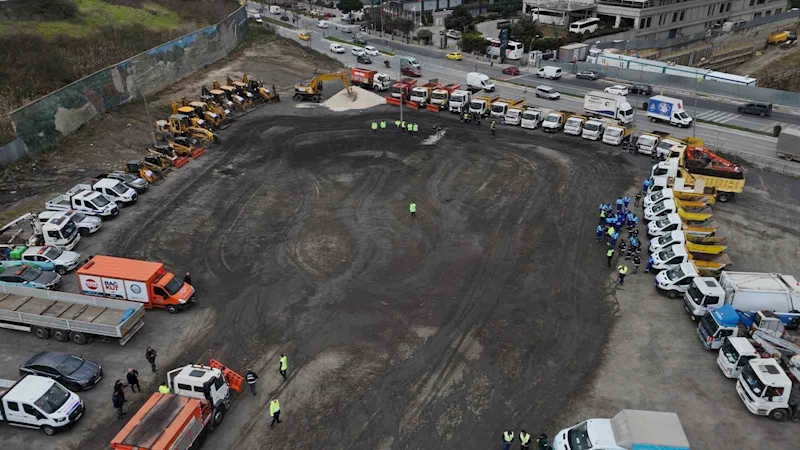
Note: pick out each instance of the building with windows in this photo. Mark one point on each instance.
(655, 19)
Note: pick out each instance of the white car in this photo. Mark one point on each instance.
(547, 92)
(616, 89)
(322, 24)
(371, 51)
(357, 51)
(337, 48)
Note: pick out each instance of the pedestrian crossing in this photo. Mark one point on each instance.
(718, 116)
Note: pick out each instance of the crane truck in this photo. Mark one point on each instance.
(200, 396)
(59, 231)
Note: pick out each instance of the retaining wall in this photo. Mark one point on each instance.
(42, 123)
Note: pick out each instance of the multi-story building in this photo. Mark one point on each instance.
(661, 19)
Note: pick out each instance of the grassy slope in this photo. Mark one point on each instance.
(96, 13)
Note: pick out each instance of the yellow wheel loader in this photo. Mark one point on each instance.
(169, 154)
(230, 94)
(218, 101)
(153, 175)
(240, 88)
(179, 125)
(262, 93)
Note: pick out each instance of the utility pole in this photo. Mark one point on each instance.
(150, 123)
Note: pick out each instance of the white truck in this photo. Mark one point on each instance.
(616, 135)
(84, 201)
(593, 129)
(609, 106)
(532, 117)
(748, 291)
(114, 190)
(574, 125)
(554, 121)
(628, 430)
(86, 224)
(736, 351)
(668, 109)
(513, 116)
(764, 387)
(660, 209)
(39, 403)
(647, 143)
(675, 282)
(57, 231)
(479, 81)
(458, 100)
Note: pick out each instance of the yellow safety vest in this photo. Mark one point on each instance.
(622, 270)
(374, 125)
(163, 389)
(274, 406)
(610, 231)
(508, 436)
(524, 438)
(383, 124)
(416, 128)
(412, 207)
(397, 123)
(284, 363)
(610, 252)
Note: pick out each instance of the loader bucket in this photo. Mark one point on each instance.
(197, 152)
(181, 161)
(234, 380)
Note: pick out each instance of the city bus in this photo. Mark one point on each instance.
(514, 49)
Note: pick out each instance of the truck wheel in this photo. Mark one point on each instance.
(61, 271)
(724, 197)
(778, 415)
(48, 430)
(60, 335)
(41, 332)
(205, 143)
(672, 294)
(83, 231)
(653, 119)
(219, 414)
(79, 338)
(172, 309)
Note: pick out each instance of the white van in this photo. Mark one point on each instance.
(322, 24)
(550, 72)
(476, 80)
(337, 48)
(274, 9)
(39, 403)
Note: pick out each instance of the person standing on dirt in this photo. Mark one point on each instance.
(416, 129)
(119, 388)
(610, 255)
(412, 208)
(403, 126)
(150, 355)
(118, 403)
(494, 128)
(622, 270)
(383, 124)
(649, 265)
(283, 365)
(374, 127)
(637, 199)
(187, 278)
(508, 438)
(637, 261)
(275, 412)
(600, 231)
(543, 443)
(133, 380)
(524, 440)
(251, 378)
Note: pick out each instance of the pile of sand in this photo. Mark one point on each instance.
(363, 99)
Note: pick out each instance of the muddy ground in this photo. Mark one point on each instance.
(484, 312)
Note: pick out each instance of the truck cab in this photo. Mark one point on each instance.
(574, 125)
(628, 429)
(57, 230)
(513, 116)
(647, 143)
(657, 196)
(664, 225)
(200, 382)
(675, 282)
(704, 294)
(670, 257)
(531, 118)
(402, 88)
(665, 145)
(660, 209)
(85, 201)
(86, 225)
(667, 240)
(764, 388)
(441, 95)
(501, 106)
(616, 135)
(734, 355)
(593, 129)
(553, 122)
(39, 403)
(458, 100)
(422, 94)
(481, 104)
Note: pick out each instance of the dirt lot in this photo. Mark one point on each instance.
(653, 358)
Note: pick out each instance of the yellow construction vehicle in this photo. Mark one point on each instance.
(257, 88)
(212, 119)
(218, 101)
(168, 154)
(241, 89)
(313, 90)
(182, 146)
(192, 113)
(179, 125)
(151, 174)
(230, 93)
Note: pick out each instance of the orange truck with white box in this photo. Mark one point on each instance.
(139, 281)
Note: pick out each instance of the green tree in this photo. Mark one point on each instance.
(524, 30)
(345, 6)
(459, 20)
(424, 36)
(404, 26)
(473, 42)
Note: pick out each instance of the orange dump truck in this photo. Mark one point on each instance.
(200, 397)
(145, 282)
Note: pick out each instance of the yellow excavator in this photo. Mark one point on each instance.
(313, 90)
(257, 88)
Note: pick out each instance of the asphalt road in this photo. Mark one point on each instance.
(716, 137)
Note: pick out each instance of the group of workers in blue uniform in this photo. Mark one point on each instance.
(615, 218)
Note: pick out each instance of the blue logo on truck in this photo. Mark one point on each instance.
(661, 108)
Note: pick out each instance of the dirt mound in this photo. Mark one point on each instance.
(363, 99)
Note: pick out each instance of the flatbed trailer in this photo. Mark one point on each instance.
(66, 316)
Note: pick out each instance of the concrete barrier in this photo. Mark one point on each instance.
(41, 123)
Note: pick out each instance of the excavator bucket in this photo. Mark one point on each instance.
(234, 380)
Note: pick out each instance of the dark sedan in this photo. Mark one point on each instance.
(74, 372)
(511, 70)
(587, 75)
(643, 89)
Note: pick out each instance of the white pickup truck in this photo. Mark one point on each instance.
(85, 201)
(114, 190)
(39, 403)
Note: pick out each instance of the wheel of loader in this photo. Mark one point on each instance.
(296, 97)
(205, 143)
(315, 98)
(159, 135)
